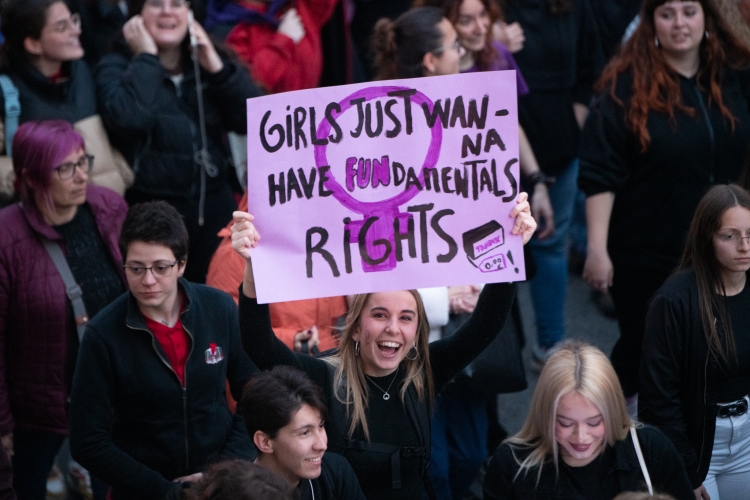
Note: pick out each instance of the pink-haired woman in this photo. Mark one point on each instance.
(38, 334)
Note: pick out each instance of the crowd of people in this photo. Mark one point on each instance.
(132, 346)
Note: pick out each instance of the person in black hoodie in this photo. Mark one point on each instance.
(285, 416)
(147, 97)
(671, 120)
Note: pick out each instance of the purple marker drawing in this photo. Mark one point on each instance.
(386, 210)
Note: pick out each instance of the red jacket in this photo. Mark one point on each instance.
(34, 313)
(275, 61)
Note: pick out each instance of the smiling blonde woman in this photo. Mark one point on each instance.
(380, 383)
(577, 441)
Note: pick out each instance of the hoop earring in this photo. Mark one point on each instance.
(706, 34)
(656, 41)
(356, 348)
(416, 353)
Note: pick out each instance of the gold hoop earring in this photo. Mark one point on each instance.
(416, 353)
(356, 348)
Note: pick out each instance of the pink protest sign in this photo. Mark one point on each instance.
(385, 186)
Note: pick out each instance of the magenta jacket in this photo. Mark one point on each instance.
(34, 313)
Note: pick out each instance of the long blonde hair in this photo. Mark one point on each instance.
(576, 367)
(350, 386)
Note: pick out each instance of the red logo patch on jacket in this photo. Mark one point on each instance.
(214, 354)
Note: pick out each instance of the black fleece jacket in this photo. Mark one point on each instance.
(132, 422)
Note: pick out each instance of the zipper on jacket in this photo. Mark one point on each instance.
(184, 398)
(183, 387)
(710, 127)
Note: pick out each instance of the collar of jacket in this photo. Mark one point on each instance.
(134, 317)
(625, 457)
(36, 221)
(96, 199)
(34, 78)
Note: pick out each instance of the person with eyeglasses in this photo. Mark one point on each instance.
(148, 410)
(38, 334)
(420, 42)
(42, 57)
(429, 40)
(694, 374)
(150, 101)
(670, 120)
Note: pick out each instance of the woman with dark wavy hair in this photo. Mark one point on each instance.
(671, 120)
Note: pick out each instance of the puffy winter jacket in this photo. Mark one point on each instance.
(35, 314)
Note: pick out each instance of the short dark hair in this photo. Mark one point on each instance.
(155, 222)
(239, 480)
(272, 398)
(23, 19)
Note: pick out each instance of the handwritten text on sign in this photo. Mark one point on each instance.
(385, 186)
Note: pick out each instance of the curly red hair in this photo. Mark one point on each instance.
(656, 85)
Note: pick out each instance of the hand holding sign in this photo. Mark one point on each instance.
(245, 237)
(525, 225)
(395, 185)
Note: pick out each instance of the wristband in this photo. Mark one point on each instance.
(538, 177)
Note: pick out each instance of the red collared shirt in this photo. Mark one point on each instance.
(175, 343)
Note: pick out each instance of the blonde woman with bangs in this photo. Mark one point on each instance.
(577, 440)
(380, 383)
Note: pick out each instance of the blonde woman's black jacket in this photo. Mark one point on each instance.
(157, 128)
(133, 424)
(622, 472)
(674, 394)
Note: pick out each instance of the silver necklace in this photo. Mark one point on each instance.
(386, 396)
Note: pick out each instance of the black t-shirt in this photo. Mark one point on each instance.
(593, 480)
(93, 269)
(730, 380)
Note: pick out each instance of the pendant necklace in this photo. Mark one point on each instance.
(386, 395)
